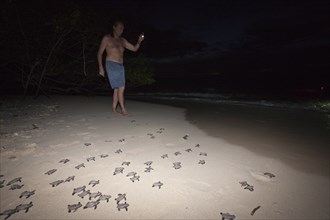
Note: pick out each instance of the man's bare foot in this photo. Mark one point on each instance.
(124, 113)
(115, 112)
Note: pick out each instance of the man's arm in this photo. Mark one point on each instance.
(135, 47)
(100, 53)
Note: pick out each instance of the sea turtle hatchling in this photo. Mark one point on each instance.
(159, 184)
(69, 179)
(25, 207)
(84, 193)
(1, 183)
(74, 207)
(118, 170)
(18, 179)
(92, 204)
(104, 197)
(49, 172)
(122, 206)
(118, 151)
(16, 186)
(270, 175)
(148, 169)
(27, 194)
(56, 183)
(120, 197)
(80, 166)
(185, 137)
(126, 163)
(227, 216)
(134, 178)
(164, 155)
(148, 163)
(78, 189)
(131, 174)
(9, 212)
(201, 162)
(177, 165)
(94, 182)
(104, 155)
(189, 150)
(90, 158)
(64, 161)
(177, 153)
(94, 195)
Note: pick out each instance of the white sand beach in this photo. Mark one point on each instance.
(36, 134)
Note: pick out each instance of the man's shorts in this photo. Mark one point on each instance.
(116, 74)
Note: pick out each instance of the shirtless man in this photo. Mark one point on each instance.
(115, 45)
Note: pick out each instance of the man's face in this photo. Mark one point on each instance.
(118, 29)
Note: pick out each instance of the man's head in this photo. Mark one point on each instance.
(118, 28)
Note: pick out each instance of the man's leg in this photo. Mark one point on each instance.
(121, 100)
(115, 100)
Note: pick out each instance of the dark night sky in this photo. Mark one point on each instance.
(248, 41)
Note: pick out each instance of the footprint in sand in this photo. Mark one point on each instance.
(263, 177)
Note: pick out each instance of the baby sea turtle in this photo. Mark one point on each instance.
(120, 197)
(69, 178)
(25, 207)
(93, 182)
(78, 189)
(122, 206)
(201, 162)
(135, 178)
(80, 166)
(8, 212)
(189, 150)
(148, 169)
(244, 183)
(104, 197)
(56, 183)
(49, 172)
(227, 216)
(164, 155)
(126, 163)
(94, 195)
(64, 161)
(118, 151)
(104, 155)
(185, 137)
(92, 204)
(74, 207)
(159, 184)
(177, 165)
(27, 194)
(16, 186)
(249, 188)
(177, 153)
(18, 179)
(131, 174)
(84, 193)
(270, 175)
(87, 144)
(203, 154)
(118, 170)
(90, 158)
(148, 163)
(1, 183)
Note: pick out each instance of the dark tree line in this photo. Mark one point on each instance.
(50, 47)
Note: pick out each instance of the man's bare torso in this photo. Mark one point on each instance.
(115, 49)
